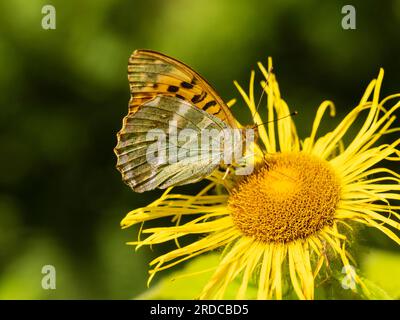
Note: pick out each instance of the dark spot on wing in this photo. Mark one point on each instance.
(180, 97)
(195, 98)
(173, 89)
(199, 97)
(186, 85)
(209, 104)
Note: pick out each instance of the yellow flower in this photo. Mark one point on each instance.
(281, 225)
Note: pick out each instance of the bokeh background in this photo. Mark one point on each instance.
(63, 94)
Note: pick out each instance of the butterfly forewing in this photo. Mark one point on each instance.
(151, 73)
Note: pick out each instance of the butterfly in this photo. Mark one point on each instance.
(165, 92)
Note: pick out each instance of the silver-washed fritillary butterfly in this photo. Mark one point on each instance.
(164, 91)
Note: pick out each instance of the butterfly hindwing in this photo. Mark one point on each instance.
(160, 113)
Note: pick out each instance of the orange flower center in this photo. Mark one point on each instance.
(291, 197)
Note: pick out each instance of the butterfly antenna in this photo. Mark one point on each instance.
(294, 113)
(262, 93)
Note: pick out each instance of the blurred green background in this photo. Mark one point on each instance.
(64, 93)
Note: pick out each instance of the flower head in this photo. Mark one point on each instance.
(302, 201)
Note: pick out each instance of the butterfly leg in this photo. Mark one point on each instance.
(266, 163)
(226, 172)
